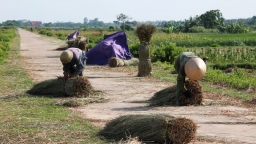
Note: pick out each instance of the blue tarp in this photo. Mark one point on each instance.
(113, 45)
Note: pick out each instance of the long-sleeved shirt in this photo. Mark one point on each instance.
(77, 63)
(180, 68)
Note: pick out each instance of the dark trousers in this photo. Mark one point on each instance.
(72, 70)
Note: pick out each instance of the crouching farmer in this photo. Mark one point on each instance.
(73, 61)
(190, 65)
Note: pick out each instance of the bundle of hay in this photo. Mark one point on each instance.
(117, 62)
(144, 33)
(196, 90)
(167, 96)
(78, 86)
(54, 87)
(79, 42)
(151, 128)
(144, 68)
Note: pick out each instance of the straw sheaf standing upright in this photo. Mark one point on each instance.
(144, 33)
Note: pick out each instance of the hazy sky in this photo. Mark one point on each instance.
(107, 10)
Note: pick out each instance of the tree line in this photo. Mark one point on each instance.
(210, 20)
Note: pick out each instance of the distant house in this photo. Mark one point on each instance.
(35, 23)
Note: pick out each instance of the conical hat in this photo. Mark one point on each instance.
(195, 68)
(66, 56)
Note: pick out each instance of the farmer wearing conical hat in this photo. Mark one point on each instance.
(73, 61)
(190, 65)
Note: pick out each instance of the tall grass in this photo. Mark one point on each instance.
(6, 35)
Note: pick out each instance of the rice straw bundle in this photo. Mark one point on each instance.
(167, 96)
(144, 68)
(144, 33)
(79, 42)
(78, 86)
(196, 91)
(117, 62)
(131, 62)
(164, 97)
(144, 51)
(158, 128)
(54, 87)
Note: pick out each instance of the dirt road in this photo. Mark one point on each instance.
(218, 123)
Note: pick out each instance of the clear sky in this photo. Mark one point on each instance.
(107, 10)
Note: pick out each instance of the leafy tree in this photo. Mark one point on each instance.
(111, 28)
(252, 21)
(11, 23)
(194, 22)
(123, 20)
(48, 24)
(212, 19)
(234, 28)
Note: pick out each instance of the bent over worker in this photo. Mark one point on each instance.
(190, 65)
(73, 61)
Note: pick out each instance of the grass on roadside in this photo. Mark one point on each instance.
(27, 119)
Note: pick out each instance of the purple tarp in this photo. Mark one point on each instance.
(73, 35)
(113, 45)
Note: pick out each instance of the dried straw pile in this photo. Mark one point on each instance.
(164, 97)
(197, 96)
(117, 62)
(78, 87)
(151, 128)
(144, 33)
(53, 87)
(145, 66)
(167, 96)
(79, 42)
